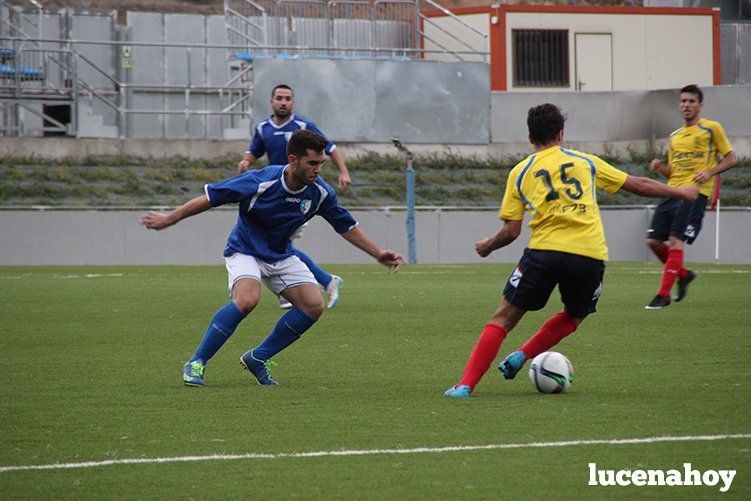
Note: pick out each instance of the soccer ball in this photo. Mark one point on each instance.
(551, 372)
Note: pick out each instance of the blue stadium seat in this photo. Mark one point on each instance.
(24, 72)
(248, 57)
(30, 73)
(244, 56)
(6, 53)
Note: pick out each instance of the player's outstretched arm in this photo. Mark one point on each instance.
(386, 257)
(647, 187)
(158, 221)
(338, 160)
(508, 233)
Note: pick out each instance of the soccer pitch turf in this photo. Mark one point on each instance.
(92, 359)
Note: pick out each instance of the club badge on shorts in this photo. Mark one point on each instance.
(305, 206)
(515, 277)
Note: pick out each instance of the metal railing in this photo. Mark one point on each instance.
(59, 71)
(10, 25)
(246, 22)
(352, 24)
(59, 79)
(478, 38)
(382, 28)
(67, 75)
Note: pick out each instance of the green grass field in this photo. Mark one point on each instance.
(92, 359)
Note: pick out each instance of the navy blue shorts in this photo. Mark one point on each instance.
(676, 218)
(579, 279)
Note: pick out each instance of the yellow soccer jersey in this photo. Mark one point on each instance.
(558, 187)
(695, 148)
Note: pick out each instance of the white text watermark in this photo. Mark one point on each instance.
(688, 477)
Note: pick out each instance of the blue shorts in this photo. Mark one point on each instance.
(579, 279)
(675, 218)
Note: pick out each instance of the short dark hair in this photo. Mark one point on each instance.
(544, 122)
(281, 86)
(304, 140)
(695, 90)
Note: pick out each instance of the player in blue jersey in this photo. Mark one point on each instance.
(270, 137)
(273, 203)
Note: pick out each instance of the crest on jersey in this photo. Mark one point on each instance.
(287, 135)
(305, 206)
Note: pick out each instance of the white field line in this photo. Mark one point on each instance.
(446, 270)
(373, 452)
(609, 271)
(90, 275)
(713, 272)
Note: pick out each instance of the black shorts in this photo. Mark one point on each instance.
(579, 279)
(676, 218)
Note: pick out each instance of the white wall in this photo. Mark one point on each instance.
(649, 51)
(437, 30)
(114, 237)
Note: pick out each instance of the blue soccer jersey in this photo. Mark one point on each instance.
(270, 212)
(272, 139)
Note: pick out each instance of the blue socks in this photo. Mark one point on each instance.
(288, 329)
(322, 277)
(222, 326)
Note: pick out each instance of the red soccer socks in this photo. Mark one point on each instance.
(663, 254)
(556, 328)
(672, 271)
(483, 354)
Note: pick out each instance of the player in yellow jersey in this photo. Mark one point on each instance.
(567, 246)
(692, 161)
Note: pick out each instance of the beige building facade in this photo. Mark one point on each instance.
(559, 48)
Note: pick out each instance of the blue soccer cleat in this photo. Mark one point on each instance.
(512, 364)
(193, 373)
(259, 368)
(458, 391)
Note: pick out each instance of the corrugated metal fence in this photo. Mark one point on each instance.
(736, 53)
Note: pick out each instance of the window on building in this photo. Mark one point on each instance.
(540, 58)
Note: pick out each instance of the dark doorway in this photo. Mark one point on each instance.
(58, 112)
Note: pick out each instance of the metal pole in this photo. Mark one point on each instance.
(187, 95)
(411, 245)
(717, 232)
(123, 79)
(410, 174)
(73, 125)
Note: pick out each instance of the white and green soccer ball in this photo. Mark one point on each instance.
(551, 372)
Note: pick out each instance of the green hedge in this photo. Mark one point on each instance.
(378, 180)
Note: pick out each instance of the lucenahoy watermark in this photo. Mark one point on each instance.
(670, 478)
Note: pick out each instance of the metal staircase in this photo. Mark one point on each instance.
(28, 80)
(88, 88)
